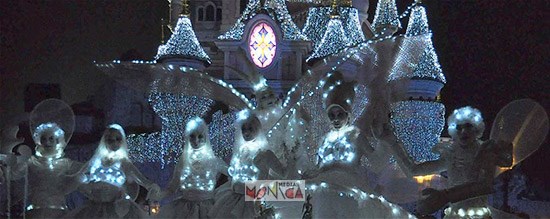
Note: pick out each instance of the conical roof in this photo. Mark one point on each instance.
(428, 66)
(333, 40)
(183, 44)
(318, 19)
(418, 22)
(385, 15)
(276, 9)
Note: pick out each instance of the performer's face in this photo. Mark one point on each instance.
(49, 142)
(338, 117)
(267, 99)
(113, 139)
(48, 139)
(466, 133)
(197, 139)
(250, 129)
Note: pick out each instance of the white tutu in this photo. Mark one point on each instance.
(120, 209)
(107, 201)
(230, 203)
(192, 204)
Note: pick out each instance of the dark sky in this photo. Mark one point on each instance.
(492, 51)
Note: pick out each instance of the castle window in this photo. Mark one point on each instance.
(218, 14)
(262, 45)
(210, 13)
(200, 14)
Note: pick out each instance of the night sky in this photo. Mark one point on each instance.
(492, 52)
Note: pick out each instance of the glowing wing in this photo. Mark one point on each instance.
(524, 123)
(53, 110)
(171, 79)
(222, 134)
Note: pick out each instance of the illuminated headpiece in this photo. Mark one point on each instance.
(466, 115)
(53, 127)
(338, 92)
(58, 134)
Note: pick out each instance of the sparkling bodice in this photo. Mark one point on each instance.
(198, 178)
(242, 167)
(337, 148)
(111, 174)
(243, 170)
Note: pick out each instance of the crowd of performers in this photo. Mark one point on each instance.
(332, 175)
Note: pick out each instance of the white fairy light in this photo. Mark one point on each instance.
(280, 15)
(418, 125)
(183, 43)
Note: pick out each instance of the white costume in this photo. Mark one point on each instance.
(230, 198)
(336, 187)
(107, 179)
(194, 177)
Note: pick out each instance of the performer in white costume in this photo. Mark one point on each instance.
(336, 187)
(230, 197)
(107, 177)
(194, 176)
(51, 176)
(470, 164)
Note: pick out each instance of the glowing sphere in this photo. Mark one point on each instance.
(262, 45)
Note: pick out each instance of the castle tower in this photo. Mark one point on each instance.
(266, 40)
(386, 21)
(419, 119)
(182, 50)
(183, 47)
(332, 29)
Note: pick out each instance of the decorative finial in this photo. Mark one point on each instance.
(347, 3)
(185, 8)
(334, 13)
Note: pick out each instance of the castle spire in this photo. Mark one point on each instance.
(334, 6)
(386, 21)
(418, 22)
(333, 40)
(185, 9)
(183, 44)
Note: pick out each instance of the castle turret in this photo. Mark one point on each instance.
(419, 119)
(334, 39)
(183, 47)
(386, 21)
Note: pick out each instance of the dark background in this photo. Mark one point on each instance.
(491, 51)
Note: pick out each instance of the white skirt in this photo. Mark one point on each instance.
(230, 203)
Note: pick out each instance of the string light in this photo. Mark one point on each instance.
(315, 27)
(277, 10)
(386, 15)
(418, 124)
(360, 196)
(183, 43)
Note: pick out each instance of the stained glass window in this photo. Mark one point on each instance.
(262, 45)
